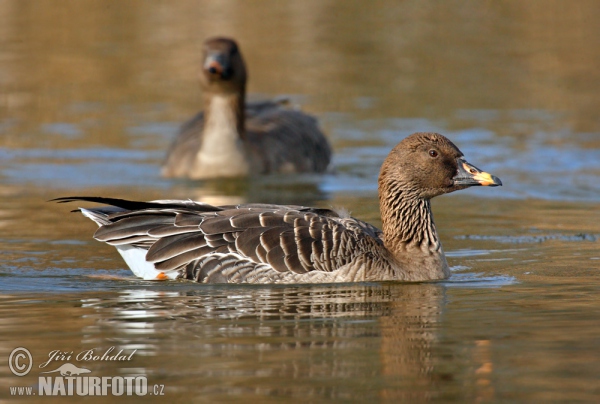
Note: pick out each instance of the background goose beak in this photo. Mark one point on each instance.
(217, 64)
(469, 175)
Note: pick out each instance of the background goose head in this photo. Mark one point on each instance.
(223, 69)
(425, 165)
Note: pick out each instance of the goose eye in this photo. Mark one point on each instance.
(433, 153)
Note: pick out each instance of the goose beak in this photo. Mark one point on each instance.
(217, 65)
(469, 175)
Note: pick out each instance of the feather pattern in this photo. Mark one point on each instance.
(268, 238)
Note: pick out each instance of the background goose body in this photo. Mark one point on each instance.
(260, 243)
(232, 138)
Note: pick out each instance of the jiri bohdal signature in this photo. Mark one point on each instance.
(88, 355)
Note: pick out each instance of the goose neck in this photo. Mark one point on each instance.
(226, 109)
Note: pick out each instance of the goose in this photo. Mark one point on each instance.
(263, 243)
(232, 138)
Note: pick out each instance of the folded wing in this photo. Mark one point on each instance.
(198, 240)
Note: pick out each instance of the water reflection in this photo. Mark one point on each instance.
(288, 190)
(293, 333)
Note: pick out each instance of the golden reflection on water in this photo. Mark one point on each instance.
(517, 322)
(271, 341)
(357, 342)
(410, 59)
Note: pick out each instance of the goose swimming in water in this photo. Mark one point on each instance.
(232, 138)
(261, 243)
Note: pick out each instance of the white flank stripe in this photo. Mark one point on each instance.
(136, 260)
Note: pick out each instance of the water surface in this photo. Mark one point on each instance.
(91, 94)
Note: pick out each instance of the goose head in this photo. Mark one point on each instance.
(425, 165)
(223, 69)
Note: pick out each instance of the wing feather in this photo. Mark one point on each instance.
(182, 259)
(216, 225)
(130, 226)
(276, 258)
(169, 229)
(171, 246)
(245, 220)
(282, 137)
(248, 242)
(185, 220)
(294, 264)
(275, 238)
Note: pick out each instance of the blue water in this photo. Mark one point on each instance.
(546, 165)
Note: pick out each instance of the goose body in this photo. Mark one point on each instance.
(232, 138)
(261, 243)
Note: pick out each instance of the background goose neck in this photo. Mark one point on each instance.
(232, 105)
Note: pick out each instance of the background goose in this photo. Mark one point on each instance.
(232, 138)
(258, 243)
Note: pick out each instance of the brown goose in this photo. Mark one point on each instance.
(257, 243)
(234, 139)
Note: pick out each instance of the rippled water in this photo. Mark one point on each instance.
(91, 93)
